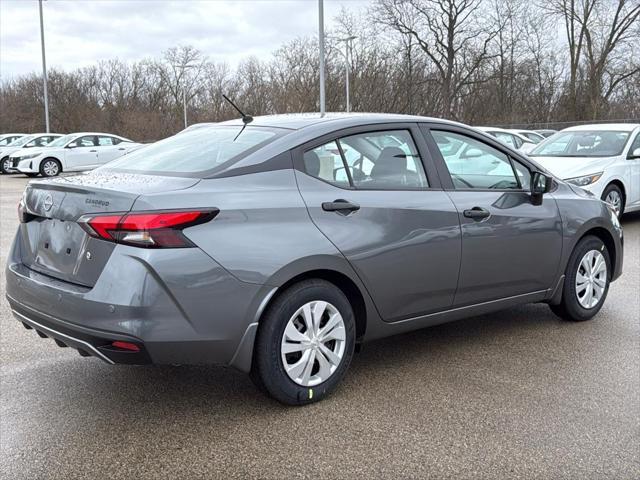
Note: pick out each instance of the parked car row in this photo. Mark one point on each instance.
(48, 154)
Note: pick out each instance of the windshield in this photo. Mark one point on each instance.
(583, 143)
(62, 141)
(22, 140)
(195, 151)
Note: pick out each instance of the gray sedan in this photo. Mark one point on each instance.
(280, 246)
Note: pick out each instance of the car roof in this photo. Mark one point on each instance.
(298, 121)
(624, 127)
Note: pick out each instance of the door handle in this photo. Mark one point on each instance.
(92, 151)
(340, 206)
(122, 148)
(477, 213)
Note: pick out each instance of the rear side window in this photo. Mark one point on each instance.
(197, 152)
(386, 160)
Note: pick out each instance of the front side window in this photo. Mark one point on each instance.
(87, 141)
(635, 145)
(583, 143)
(386, 160)
(474, 164)
(105, 141)
(505, 138)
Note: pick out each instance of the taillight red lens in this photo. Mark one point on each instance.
(146, 229)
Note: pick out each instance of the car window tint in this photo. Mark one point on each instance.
(636, 144)
(387, 160)
(88, 141)
(325, 162)
(476, 164)
(105, 141)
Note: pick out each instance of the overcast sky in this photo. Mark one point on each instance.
(81, 32)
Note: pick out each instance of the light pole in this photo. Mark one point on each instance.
(321, 42)
(184, 93)
(348, 47)
(44, 70)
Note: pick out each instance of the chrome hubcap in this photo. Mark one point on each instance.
(313, 343)
(591, 279)
(613, 199)
(50, 168)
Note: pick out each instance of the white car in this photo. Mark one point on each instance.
(512, 139)
(27, 141)
(72, 153)
(7, 138)
(535, 137)
(604, 159)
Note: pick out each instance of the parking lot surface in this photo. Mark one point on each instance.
(517, 394)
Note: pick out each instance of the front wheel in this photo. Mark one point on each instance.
(586, 281)
(305, 343)
(50, 167)
(4, 165)
(613, 196)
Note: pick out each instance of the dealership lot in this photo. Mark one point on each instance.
(513, 394)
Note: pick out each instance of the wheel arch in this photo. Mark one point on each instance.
(620, 184)
(342, 281)
(606, 237)
(52, 157)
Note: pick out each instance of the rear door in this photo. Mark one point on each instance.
(108, 149)
(82, 153)
(510, 246)
(374, 193)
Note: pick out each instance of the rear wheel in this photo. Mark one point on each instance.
(613, 196)
(586, 281)
(50, 167)
(4, 165)
(305, 343)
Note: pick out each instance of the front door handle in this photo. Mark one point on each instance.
(477, 213)
(92, 151)
(340, 206)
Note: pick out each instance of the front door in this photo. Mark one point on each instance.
(510, 245)
(368, 192)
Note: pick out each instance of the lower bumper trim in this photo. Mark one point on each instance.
(67, 339)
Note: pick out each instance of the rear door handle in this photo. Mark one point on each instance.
(340, 206)
(477, 213)
(93, 151)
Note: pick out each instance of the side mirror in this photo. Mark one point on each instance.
(71, 145)
(634, 155)
(540, 184)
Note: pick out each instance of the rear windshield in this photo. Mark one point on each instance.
(196, 153)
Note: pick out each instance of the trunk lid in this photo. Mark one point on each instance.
(53, 243)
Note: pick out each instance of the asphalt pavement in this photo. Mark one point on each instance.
(515, 394)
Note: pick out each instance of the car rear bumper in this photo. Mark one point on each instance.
(179, 307)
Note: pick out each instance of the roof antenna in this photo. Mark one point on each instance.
(245, 118)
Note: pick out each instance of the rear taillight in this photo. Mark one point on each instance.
(146, 229)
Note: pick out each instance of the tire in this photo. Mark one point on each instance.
(50, 167)
(572, 306)
(614, 196)
(4, 163)
(286, 312)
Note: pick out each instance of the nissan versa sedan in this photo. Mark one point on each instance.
(604, 159)
(278, 245)
(73, 152)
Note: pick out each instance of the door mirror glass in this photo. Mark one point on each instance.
(540, 183)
